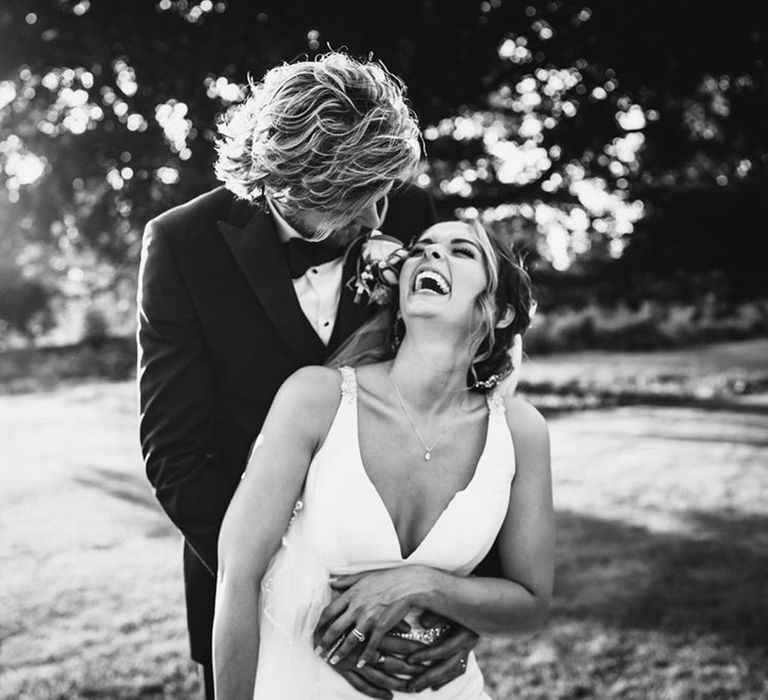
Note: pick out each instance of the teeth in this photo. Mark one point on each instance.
(431, 281)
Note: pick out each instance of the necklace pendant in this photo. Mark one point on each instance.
(427, 455)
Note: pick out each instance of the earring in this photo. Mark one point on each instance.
(397, 330)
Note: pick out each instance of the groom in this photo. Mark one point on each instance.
(233, 298)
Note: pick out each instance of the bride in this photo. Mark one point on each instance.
(373, 493)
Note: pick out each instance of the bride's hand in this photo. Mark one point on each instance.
(370, 604)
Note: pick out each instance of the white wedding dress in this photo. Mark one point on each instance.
(341, 526)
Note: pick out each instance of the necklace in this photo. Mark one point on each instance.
(427, 447)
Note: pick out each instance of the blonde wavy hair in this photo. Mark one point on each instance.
(329, 134)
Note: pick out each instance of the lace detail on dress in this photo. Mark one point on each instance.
(268, 580)
(294, 514)
(348, 384)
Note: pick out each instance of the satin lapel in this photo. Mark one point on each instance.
(257, 251)
(349, 315)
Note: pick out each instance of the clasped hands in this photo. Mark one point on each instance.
(353, 634)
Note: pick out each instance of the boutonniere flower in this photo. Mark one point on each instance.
(378, 269)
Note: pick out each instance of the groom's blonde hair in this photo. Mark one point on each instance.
(330, 134)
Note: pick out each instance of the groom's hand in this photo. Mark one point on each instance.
(445, 660)
(389, 671)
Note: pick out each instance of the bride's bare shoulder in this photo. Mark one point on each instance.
(523, 415)
(309, 399)
(316, 385)
(528, 428)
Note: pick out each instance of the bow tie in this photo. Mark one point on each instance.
(301, 255)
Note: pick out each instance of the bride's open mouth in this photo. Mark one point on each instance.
(431, 282)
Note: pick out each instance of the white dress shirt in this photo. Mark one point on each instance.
(319, 289)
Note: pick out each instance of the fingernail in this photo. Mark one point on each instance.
(360, 663)
(334, 660)
(318, 650)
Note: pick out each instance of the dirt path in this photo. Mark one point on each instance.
(662, 558)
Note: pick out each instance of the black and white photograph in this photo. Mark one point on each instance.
(396, 350)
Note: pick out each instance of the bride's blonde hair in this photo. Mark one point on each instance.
(506, 307)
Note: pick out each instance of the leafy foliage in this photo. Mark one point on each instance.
(581, 131)
(651, 326)
(25, 305)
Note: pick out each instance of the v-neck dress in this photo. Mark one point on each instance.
(342, 526)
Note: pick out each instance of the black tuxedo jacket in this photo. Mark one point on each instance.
(220, 329)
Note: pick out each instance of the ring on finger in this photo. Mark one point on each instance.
(380, 661)
(358, 635)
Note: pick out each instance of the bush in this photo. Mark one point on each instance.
(679, 325)
(653, 326)
(624, 329)
(25, 304)
(95, 327)
(27, 369)
(743, 321)
(574, 330)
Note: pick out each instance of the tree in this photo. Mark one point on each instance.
(25, 304)
(621, 125)
(568, 126)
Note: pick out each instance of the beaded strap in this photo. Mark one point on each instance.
(348, 384)
(495, 401)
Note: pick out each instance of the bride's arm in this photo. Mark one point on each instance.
(258, 517)
(518, 602)
(514, 604)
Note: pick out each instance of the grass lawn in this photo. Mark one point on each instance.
(662, 561)
(662, 582)
(741, 357)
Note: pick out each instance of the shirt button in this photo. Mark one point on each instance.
(314, 270)
(326, 324)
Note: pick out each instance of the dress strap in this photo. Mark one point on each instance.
(495, 401)
(348, 384)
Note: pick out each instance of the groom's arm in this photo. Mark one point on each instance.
(177, 431)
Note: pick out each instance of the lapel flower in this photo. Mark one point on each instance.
(378, 268)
